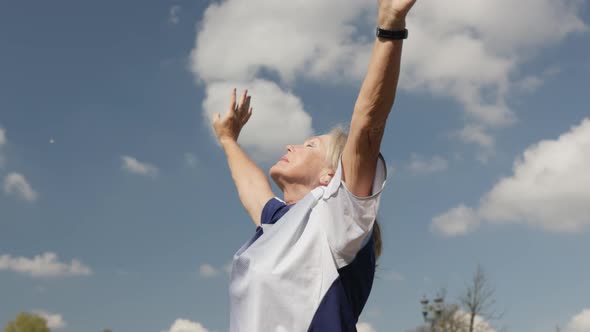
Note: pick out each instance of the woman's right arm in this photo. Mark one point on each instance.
(251, 182)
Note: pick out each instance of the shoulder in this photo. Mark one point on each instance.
(273, 210)
(337, 183)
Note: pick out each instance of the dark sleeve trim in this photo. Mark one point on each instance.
(273, 210)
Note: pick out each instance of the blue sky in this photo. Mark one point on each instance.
(117, 209)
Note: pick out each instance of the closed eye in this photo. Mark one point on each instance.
(310, 144)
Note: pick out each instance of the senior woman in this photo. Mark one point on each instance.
(311, 263)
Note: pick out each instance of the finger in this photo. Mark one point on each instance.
(232, 100)
(246, 105)
(245, 95)
(243, 108)
(248, 115)
(243, 98)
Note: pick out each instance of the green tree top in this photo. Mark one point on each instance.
(27, 322)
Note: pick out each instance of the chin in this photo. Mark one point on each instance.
(276, 172)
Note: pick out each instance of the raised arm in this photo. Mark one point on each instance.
(374, 102)
(251, 182)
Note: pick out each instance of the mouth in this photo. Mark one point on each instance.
(284, 158)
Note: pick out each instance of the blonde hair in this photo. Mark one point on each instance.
(338, 137)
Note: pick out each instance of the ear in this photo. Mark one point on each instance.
(326, 177)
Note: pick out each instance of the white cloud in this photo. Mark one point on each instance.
(173, 14)
(365, 327)
(421, 164)
(549, 189)
(277, 118)
(185, 325)
(533, 82)
(466, 52)
(208, 271)
(479, 135)
(17, 184)
(479, 323)
(457, 221)
(315, 39)
(476, 134)
(54, 321)
(44, 265)
(134, 166)
(580, 322)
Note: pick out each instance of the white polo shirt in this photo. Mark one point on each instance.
(310, 266)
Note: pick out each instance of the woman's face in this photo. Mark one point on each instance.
(304, 164)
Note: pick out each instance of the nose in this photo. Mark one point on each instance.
(290, 148)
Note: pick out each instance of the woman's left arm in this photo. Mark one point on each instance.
(374, 102)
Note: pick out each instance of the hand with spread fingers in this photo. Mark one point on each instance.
(230, 125)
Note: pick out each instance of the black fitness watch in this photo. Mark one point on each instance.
(392, 34)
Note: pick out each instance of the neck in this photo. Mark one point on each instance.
(294, 192)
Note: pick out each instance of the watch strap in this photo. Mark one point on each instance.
(392, 34)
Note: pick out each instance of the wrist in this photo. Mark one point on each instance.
(389, 22)
(226, 140)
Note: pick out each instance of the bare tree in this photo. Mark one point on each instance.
(474, 311)
(478, 299)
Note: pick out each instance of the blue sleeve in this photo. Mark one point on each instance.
(273, 210)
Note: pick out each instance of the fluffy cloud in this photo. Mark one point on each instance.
(315, 39)
(134, 166)
(466, 51)
(17, 184)
(365, 327)
(185, 325)
(457, 221)
(54, 321)
(479, 323)
(550, 185)
(208, 271)
(277, 119)
(420, 164)
(549, 189)
(476, 134)
(580, 322)
(44, 265)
